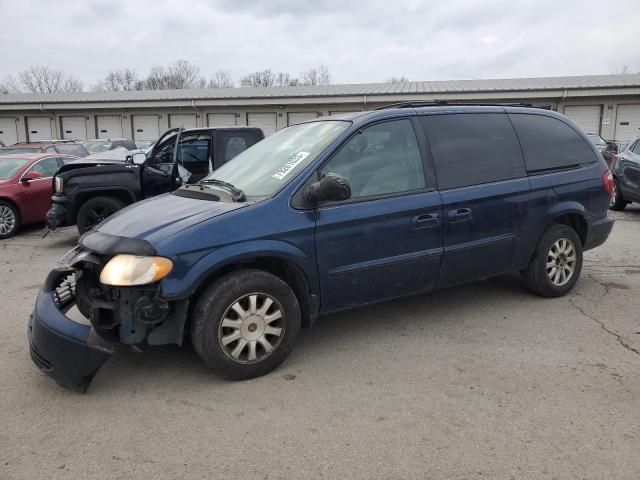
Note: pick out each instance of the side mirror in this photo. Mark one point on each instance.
(138, 158)
(331, 188)
(31, 176)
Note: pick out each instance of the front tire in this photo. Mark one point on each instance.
(95, 210)
(617, 202)
(245, 324)
(9, 219)
(556, 263)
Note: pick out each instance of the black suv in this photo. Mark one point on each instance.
(626, 175)
(88, 191)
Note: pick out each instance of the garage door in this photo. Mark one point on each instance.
(8, 131)
(265, 121)
(587, 117)
(186, 121)
(221, 120)
(299, 117)
(145, 127)
(74, 127)
(627, 122)
(109, 126)
(38, 128)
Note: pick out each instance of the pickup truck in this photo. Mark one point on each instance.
(89, 190)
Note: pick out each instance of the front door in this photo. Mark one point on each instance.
(36, 194)
(194, 155)
(485, 192)
(385, 241)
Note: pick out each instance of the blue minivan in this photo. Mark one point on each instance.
(324, 216)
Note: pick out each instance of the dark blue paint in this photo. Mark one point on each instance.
(362, 252)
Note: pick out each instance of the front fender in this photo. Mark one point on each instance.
(191, 269)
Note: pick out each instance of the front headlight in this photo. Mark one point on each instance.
(58, 183)
(129, 270)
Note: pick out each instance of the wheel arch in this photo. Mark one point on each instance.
(82, 196)
(285, 269)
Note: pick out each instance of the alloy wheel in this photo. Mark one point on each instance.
(7, 220)
(251, 328)
(561, 262)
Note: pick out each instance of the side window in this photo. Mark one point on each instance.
(549, 143)
(66, 160)
(636, 148)
(50, 150)
(473, 148)
(193, 152)
(234, 146)
(382, 159)
(46, 167)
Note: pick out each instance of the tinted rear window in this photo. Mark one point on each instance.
(469, 149)
(549, 143)
(12, 151)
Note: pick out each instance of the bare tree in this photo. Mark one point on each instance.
(221, 79)
(179, 75)
(41, 79)
(120, 81)
(264, 78)
(401, 79)
(624, 70)
(316, 76)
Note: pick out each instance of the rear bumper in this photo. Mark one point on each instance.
(598, 232)
(60, 347)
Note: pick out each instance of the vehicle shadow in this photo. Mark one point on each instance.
(170, 367)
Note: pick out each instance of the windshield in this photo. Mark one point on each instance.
(270, 164)
(97, 147)
(13, 151)
(10, 166)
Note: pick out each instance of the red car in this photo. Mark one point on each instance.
(25, 188)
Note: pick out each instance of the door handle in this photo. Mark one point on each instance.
(427, 220)
(459, 215)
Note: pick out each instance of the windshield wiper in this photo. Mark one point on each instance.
(237, 194)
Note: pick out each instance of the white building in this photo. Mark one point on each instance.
(604, 104)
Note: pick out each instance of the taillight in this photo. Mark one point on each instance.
(607, 182)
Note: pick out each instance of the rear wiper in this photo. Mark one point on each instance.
(237, 194)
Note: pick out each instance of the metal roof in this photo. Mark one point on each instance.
(445, 86)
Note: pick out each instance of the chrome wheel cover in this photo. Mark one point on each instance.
(7, 220)
(561, 262)
(614, 195)
(251, 328)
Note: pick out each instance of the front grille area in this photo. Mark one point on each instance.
(64, 295)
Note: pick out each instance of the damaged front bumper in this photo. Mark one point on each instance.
(56, 216)
(67, 351)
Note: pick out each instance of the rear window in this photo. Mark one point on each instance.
(12, 151)
(72, 149)
(473, 148)
(549, 143)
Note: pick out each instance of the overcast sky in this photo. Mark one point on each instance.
(360, 41)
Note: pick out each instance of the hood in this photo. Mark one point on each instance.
(160, 217)
(116, 156)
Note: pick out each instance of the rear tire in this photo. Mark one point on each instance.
(9, 219)
(95, 210)
(245, 324)
(617, 202)
(556, 263)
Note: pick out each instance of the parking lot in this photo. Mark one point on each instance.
(481, 381)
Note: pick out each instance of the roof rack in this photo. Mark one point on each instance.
(444, 103)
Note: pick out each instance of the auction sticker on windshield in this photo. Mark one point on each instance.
(285, 169)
